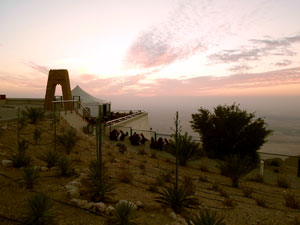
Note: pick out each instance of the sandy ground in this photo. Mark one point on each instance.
(210, 187)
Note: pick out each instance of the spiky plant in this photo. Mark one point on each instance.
(30, 176)
(65, 166)
(99, 181)
(177, 198)
(39, 210)
(34, 114)
(68, 140)
(235, 167)
(188, 150)
(50, 157)
(37, 135)
(206, 217)
(125, 214)
(21, 158)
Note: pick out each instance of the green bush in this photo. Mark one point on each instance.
(177, 198)
(37, 135)
(64, 164)
(68, 140)
(206, 217)
(50, 157)
(30, 176)
(99, 182)
(21, 158)
(34, 114)
(235, 167)
(125, 214)
(39, 210)
(188, 150)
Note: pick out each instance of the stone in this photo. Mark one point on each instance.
(100, 207)
(139, 204)
(152, 216)
(89, 205)
(72, 191)
(172, 215)
(75, 183)
(79, 202)
(44, 168)
(7, 163)
(109, 210)
(4, 127)
(38, 168)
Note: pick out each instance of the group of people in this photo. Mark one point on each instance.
(137, 139)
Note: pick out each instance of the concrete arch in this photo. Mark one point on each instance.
(56, 77)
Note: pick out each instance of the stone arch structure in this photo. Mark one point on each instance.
(56, 77)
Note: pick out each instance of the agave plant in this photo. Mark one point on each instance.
(34, 114)
(39, 211)
(206, 217)
(30, 176)
(50, 157)
(177, 198)
(65, 166)
(37, 135)
(21, 158)
(99, 181)
(125, 214)
(235, 167)
(188, 150)
(68, 140)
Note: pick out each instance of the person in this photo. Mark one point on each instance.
(143, 140)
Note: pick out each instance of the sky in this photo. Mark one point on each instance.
(152, 48)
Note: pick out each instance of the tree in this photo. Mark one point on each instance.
(229, 130)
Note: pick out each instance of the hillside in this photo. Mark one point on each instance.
(137, 174)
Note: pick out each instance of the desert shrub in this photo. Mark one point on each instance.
(68, 140)
(235, 167)
(39, 210)
(37, 135)
(125, 213)
(30, 176)
(99, 181)
(64, 165)
(188, 150)
(223, 193)
(283, 182)
(22, 122)
(189, 185)
(261, 202)
(142, 151)
(177, 198)
(153, 187)
(164, 177)
(34, 114)
(248, 192)
(50, 157)
(203, 178)
(257, 179)
(153, 154)
(291, 201)
(21, 158)
(126, 176)
(122, 148)
(203, 168)
(206, 217)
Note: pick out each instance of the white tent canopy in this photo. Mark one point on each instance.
(87, 99)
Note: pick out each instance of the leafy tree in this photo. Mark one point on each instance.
(228, 130)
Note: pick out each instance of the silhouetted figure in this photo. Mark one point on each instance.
(114, 135)
(143, 140)
(153, 143)
(135, 139)
(166, 141)
(122, 137)
(160, 144)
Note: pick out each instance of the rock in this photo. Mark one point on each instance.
(53, 168)
(181, 220)
(4, 127)
(7, 163)
(44, 168)
(79, 202)
(139, 204)
(100, 207)
(109, 210)
(172, 215)
(152, 216)
(89, 205)
(38, 168)
(82, 176)
(72, 191)
(75, 183)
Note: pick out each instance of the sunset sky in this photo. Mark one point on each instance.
(152, 48)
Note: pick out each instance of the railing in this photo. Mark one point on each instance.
(132, 114)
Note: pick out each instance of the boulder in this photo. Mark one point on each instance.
(7, 163)
(172, 215)
(44, 168)
(72, 191)
(100, 207)
(109, 210)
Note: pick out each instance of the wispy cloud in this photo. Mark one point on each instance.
(258, 49)
(284, 62)
(37, 67)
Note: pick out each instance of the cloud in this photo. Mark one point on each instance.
(258, 49)
(240, 68)
(283, 63)
(42, 69)
(187, 31)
